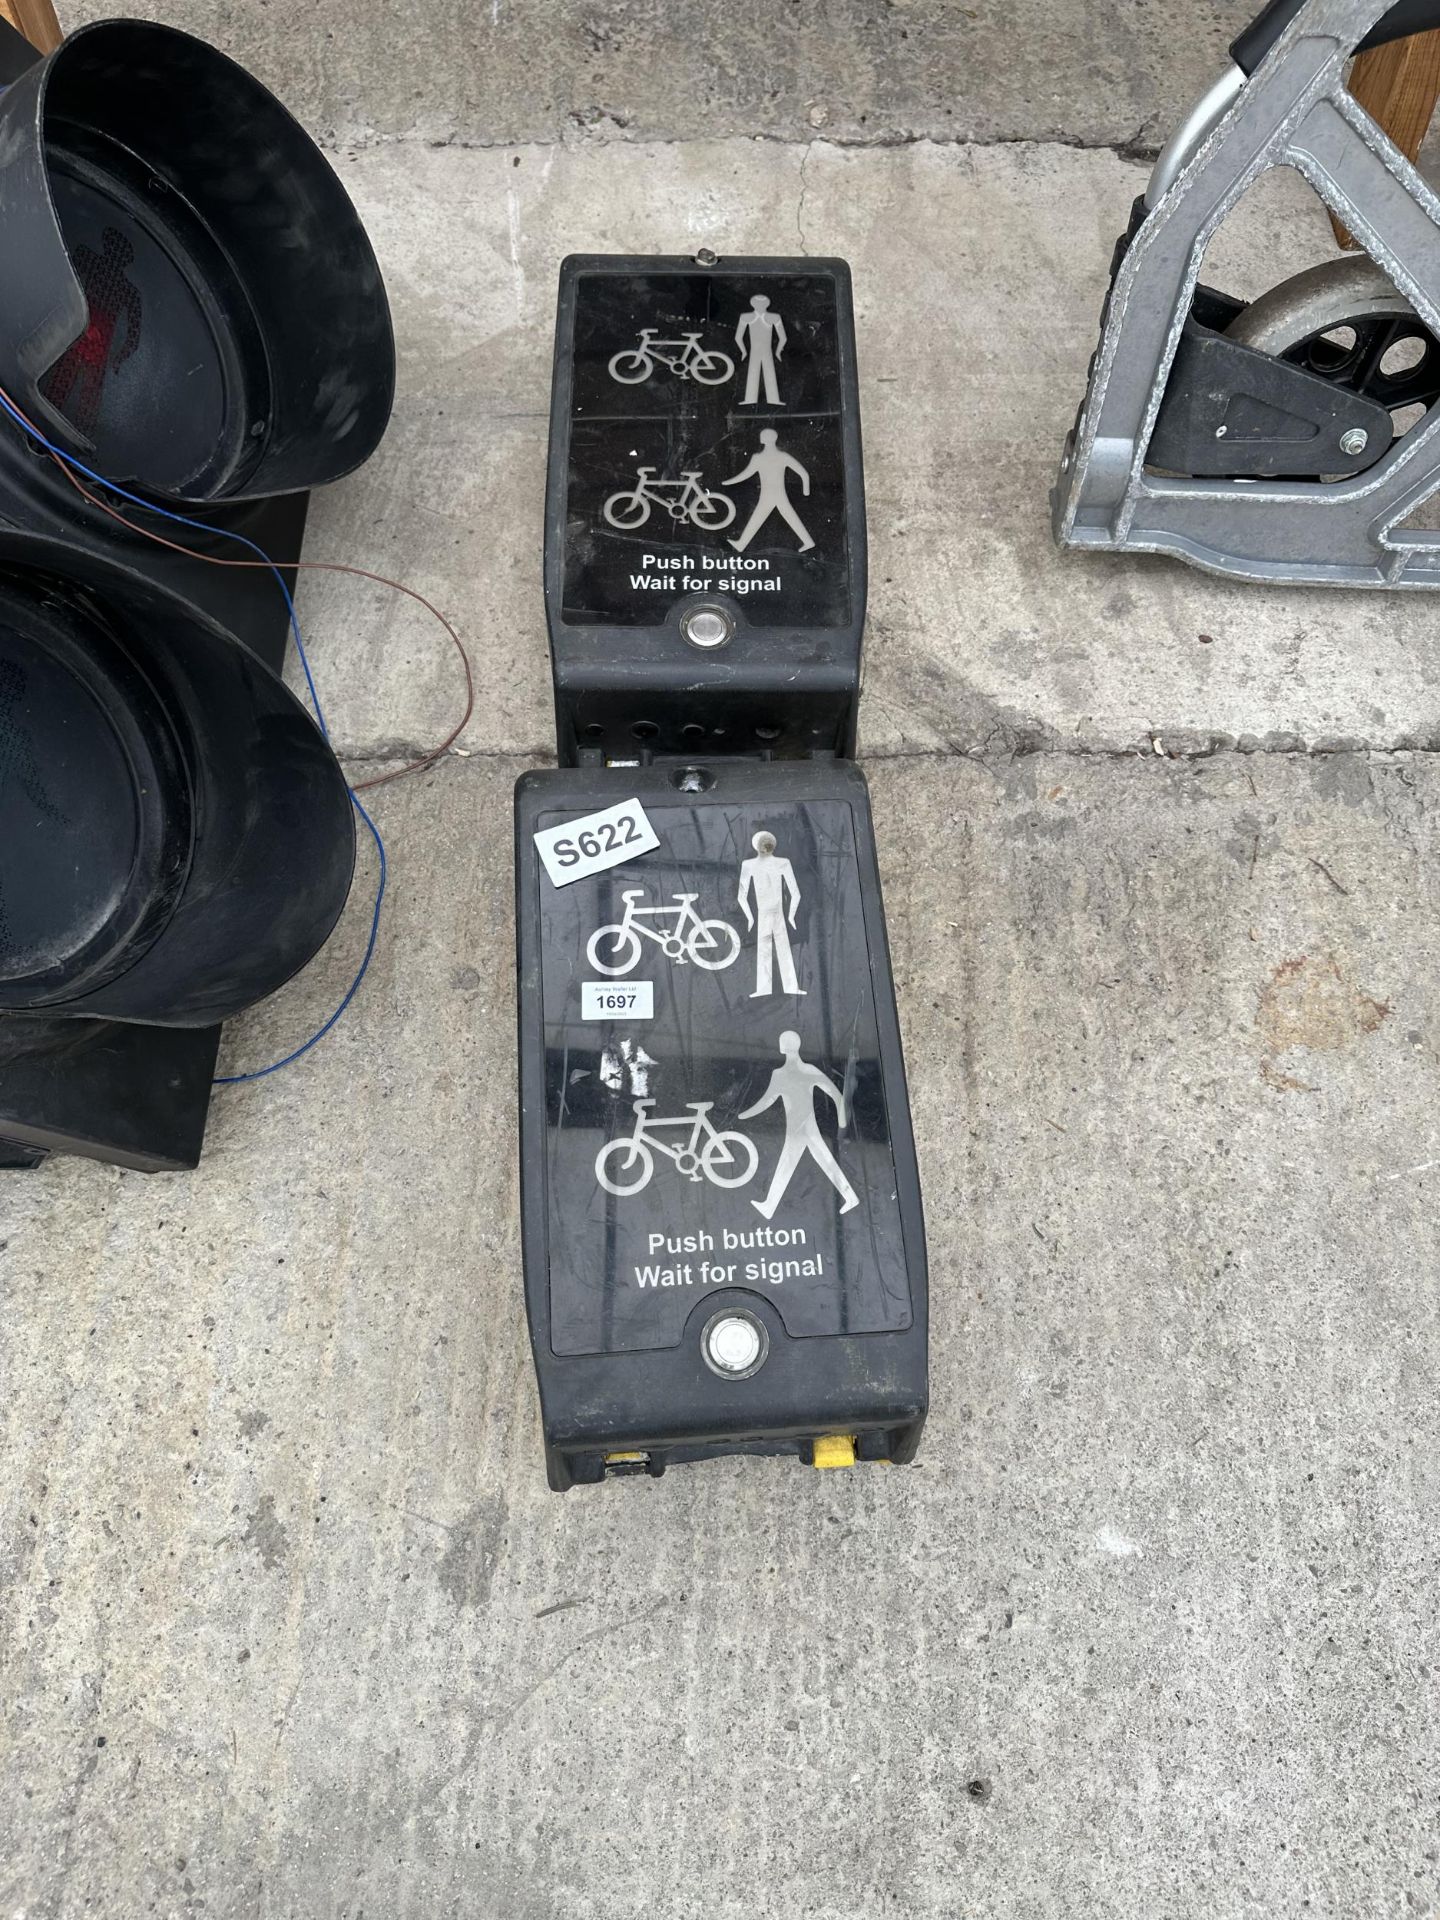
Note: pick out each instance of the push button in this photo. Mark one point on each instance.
(707, 627)
(735, 1345)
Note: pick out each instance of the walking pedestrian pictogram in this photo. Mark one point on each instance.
(760, 336)
(768, 881)
(795, 1083)
(772, 466)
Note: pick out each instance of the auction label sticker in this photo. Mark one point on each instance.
(597, 841)
(605, 1000)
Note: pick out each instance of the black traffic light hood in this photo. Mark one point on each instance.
(178, 836)
(190, 302)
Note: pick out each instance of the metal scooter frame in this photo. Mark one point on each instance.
(1293, 111)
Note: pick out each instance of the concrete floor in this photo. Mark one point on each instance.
(290, 1625)
(480, 72)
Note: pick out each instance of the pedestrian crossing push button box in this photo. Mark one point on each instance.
(724, 1250)
(705, 520)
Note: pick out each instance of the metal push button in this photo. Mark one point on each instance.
(735, 1345)
(707, 627)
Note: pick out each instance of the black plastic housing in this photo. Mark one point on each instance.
(132, 1095)
(623, 1383)
(191, 306)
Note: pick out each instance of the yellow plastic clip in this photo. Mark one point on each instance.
(835, 1450)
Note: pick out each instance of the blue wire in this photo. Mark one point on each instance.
(201, 526)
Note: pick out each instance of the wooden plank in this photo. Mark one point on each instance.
(1398, 86)
(36, 20)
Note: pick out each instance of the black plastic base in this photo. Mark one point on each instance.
(133, 1096)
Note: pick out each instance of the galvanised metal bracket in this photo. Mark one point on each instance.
(1293, 110)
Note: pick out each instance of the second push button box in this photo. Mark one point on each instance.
(705, 520)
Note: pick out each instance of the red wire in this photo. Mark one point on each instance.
(307, 566)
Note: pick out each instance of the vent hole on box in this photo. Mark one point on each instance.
(644, 730)
(769, 733)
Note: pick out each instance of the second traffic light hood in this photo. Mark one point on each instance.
(190, 301)
(178, 838)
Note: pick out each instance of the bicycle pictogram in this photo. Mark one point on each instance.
(711, 944)
(627, 1166)
(684, 356)
(683, 499)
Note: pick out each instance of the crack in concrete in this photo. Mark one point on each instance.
(1027, 751)
(1136, 149)
(803, 184)
(1181, 754)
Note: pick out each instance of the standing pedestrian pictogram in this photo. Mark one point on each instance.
(760, 336)
(772, 466)
(768, 880)
(75, 386)
(795, 1083)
